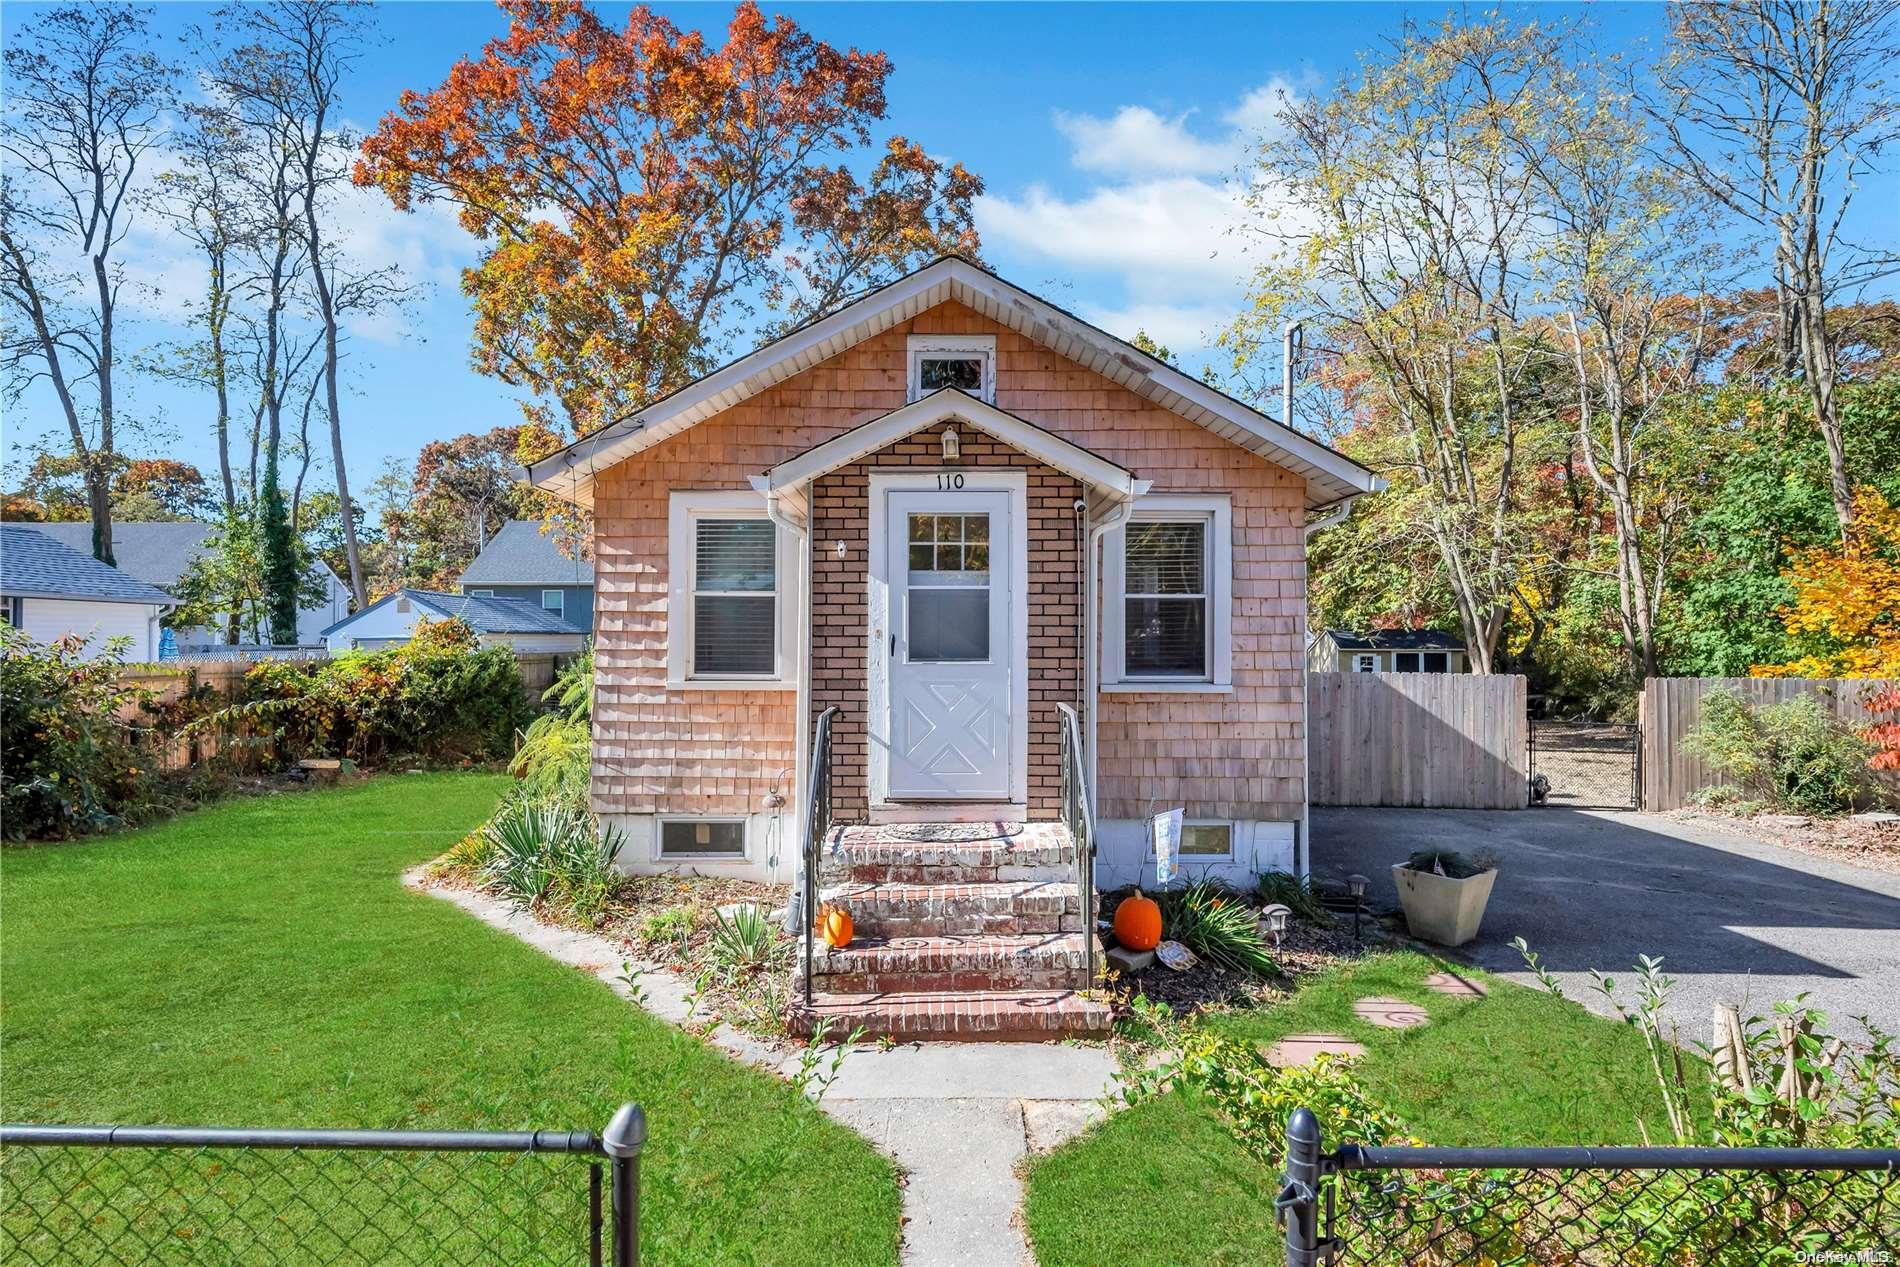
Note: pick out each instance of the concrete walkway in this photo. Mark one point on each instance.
(1734, 920)
(956, 1117)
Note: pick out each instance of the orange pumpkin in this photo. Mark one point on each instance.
(1138, 922)
(835, 923)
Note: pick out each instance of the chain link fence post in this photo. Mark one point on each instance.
(626, 1133)
(1297, 1207)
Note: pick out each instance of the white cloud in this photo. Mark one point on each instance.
(1135, 141)
(1162, 220)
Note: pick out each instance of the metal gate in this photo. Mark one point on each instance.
(1586, 765)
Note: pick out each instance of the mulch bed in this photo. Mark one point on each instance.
(1861, 844)
(641, 897)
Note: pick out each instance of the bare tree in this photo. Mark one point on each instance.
(86, 101)
(201, 196)
(1779, 109)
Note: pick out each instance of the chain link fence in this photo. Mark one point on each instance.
(1587, 1207)
(120, 1195)
(1586, 765)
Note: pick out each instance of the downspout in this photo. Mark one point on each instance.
(1303, 847)
(801, 533)
(1092, 659)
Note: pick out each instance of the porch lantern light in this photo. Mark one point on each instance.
(1273, 923)
(952, 445)
(1356, 885)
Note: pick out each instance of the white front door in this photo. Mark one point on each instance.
(950, 563)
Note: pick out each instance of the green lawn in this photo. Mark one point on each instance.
(259, 963)
(1164, 1183)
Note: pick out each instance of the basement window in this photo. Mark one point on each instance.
(702, 838)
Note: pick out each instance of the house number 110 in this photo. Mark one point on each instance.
(949, 481)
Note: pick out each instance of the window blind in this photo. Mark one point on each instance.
(735, 605)
(1164, 590)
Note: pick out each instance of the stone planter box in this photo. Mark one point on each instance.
(1441, 909)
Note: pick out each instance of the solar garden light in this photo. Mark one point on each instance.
(1273, 923)
(1356, 885)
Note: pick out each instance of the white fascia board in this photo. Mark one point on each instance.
(950, 405)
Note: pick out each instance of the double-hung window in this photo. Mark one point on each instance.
(554, 602)
(1169, 596)
(731, 594)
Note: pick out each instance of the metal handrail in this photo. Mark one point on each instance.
(817, 826)
(1078, 815)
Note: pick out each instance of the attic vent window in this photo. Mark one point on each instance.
(966, 362)
(402, 604)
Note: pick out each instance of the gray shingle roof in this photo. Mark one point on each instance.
(33, 563)
(1396, 640)
(483, 615)
(156, 553)
(521, 554)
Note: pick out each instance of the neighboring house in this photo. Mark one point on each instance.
(508, 622)
(48, 590)
(1388, 651)
(883, 512)
(521, 561)
(161, 553)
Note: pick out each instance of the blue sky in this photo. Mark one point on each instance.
(1105, 133)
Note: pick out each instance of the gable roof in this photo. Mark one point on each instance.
(34, 564)
(1330, 477)
(521, 554)
(1396, 640)
(948, 404)
(156, 553)
(483, 615)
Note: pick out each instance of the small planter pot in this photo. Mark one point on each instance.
(1441, 909)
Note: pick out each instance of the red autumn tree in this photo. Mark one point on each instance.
(640, 194)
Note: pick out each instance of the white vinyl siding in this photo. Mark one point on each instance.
(45, 619)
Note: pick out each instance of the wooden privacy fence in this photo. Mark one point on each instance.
(1434, 740)
(1672, 706)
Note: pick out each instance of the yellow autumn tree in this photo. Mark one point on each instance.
(1847, 600)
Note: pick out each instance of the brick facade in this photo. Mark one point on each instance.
(1233, 755)
(840, 511)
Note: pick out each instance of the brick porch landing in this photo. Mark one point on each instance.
(963, 931)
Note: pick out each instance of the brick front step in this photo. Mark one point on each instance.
(1042, 961)
(999, 909)
(952, 853)
(950, 1016)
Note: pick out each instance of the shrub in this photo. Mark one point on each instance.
(69, 761)
(440, 696)
(1215, 923)
(675, 924)
(1294, 892)
(1794, 754)
(743, 942)
(550, 853)
(556, 755)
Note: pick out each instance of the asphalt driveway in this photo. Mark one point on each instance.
(1733, 920)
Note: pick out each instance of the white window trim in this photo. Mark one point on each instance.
(659, 838)
(1217, 512)
(1365, 662)
(919, 346)
(481, 593)
(560, 608)
(683, 509)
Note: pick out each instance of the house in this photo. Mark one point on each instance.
(161, 553)
(1388, 651)
(852, 588)
(49, 590)
(521, 561)
(508, 622)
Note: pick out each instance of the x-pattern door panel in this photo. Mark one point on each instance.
(951, 671)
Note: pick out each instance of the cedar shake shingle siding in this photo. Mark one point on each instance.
(1233, 755)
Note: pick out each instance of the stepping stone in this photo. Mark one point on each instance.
(1300, 1049)
(1390, 1013)
(1456, 986)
